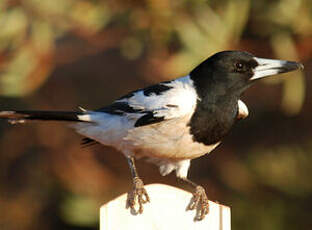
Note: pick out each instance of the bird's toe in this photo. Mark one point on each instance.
(199, 202)
(137, 196)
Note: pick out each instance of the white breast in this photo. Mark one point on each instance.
(168, 140)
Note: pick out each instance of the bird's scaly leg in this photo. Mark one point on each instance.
(138, 193)
(199, 200)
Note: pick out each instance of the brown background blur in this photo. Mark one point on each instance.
(61, 54)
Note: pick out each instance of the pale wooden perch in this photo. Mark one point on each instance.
(167, 210)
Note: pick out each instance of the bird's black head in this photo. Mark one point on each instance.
(234, 71)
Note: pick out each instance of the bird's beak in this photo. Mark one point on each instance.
(268, 67)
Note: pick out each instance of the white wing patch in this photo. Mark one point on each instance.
(177, 101)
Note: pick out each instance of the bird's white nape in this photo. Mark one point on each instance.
(242, 110)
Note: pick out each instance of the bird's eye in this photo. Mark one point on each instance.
(239, 66)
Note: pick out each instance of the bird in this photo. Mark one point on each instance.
(172, 122)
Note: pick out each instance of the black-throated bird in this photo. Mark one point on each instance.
(172, 122)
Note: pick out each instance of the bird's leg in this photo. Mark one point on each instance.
(138, 193)
(199, 200)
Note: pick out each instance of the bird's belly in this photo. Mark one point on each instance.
(166, 140)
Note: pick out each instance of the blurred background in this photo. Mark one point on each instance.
(61, 54)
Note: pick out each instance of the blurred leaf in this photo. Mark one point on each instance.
(131, 48)
(206, 33)
(90, 15)
(294, 84)
(21, 65)
(42, 36)
(284, 168)
(27, 70)
(303, 24)
(55, 6)
(285, 11)
(236, 16)
(13, 25)
(80, 211)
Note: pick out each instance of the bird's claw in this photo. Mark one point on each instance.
(200, 202)
(137, 195)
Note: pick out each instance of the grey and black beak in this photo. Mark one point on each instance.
(268, 67)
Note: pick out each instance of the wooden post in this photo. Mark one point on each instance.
(167, 210)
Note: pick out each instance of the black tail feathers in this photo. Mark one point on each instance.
(22, 116)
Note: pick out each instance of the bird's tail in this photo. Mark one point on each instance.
(22, 116)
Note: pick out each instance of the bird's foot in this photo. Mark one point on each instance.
(200, 202)
(137, 196)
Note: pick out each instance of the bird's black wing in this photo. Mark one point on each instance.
(157, 103)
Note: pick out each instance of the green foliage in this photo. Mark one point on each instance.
(79, 210)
